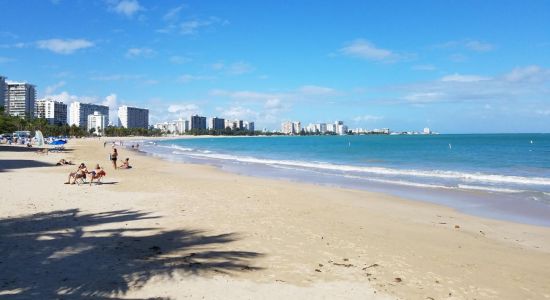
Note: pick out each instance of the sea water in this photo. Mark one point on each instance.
(497, 175)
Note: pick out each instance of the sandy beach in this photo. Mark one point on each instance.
(168, 230)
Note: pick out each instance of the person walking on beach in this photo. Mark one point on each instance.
(114, 156)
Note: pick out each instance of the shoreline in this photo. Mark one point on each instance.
(249, 233)
(486, 204)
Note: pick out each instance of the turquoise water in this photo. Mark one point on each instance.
(515, 167)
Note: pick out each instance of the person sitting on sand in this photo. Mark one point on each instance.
(79, 173)
(97, 174)
(62, 162)
(125, 164)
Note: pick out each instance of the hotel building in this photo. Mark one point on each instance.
(197, 122)
(98, 121)
(133, 117)
(291, 127)
(79, 112)
(2, 90)
(19, 99)
(217, 123)
(249, 126)
(53, 111)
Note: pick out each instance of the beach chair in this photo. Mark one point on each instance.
(80, 180)
(98, 178)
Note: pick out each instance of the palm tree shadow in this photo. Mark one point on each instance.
(59, 255)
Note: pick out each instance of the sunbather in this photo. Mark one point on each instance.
(79, 173)
(125, 164)
(63, 161)
(97, 174)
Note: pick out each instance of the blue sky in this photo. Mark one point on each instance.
(454, 66)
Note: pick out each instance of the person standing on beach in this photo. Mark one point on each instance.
(114, 156)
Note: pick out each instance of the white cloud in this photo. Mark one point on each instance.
(528, 73)
(126, 7)
(236, 68)
(178, 60)
(316, 90)
(52, 88)
(67, 46)
(140, 52)
(365, 50)
(478, 46)
(543, 112)
(463, 78)
(240, 68)
(173, 13)
(424, 67)
(522, 85)
(367, 118)
(186, 78)
(66, 98)
(423, 97)
(112, 102)
(189, 26)
(239, 112)
(274, 103)
(5, 60)
(117, 77)
(467, 44)
(183, 110)
(192, 27)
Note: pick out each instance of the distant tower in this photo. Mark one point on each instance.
(19, 99)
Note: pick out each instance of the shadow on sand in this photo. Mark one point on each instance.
(70, 255)
(12, 164)
(12, 148)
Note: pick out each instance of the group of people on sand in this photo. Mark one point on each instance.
(82, 173)
(114, 157)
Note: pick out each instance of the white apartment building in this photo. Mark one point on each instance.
(341, 129)
(53, 111)
(182, 126)
(98, 121)
(19, 99)
(171, 127)
(2, 90)
(133, 117)
(291, 127)
(79, 112)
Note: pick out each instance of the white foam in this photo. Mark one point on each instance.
(468, 177)
(489, 189)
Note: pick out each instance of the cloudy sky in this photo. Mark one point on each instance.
(454, 66)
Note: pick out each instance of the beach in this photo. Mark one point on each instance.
(172, 230)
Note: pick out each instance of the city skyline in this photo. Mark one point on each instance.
(485, 68)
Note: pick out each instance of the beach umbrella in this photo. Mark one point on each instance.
(39, 138)
(58, 143)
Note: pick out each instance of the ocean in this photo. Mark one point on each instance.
(503, 176)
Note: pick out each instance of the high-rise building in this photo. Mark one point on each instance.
(182, 126)
(19, 99)
(53, 111)
(98, 121)
(2, 91)
(79, 112)
(197, 122)
(133, 117)
(291, 127)
(217, 123)
(249, 126)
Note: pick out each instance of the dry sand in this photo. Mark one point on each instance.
(171, 230)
